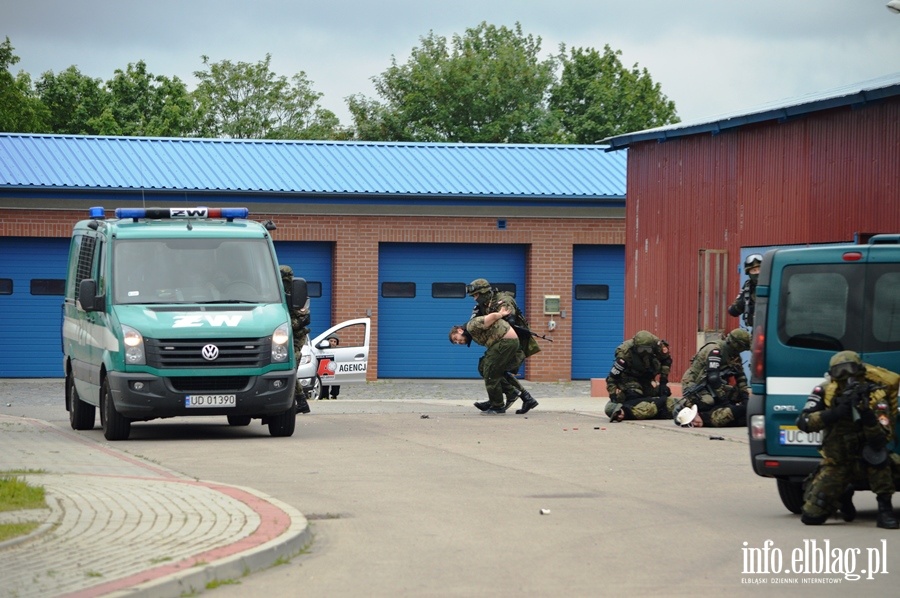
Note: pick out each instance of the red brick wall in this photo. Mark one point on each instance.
(356, 238)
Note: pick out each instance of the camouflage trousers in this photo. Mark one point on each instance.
(823, 489)
(501, 357)
(649, 408)
(725, 417)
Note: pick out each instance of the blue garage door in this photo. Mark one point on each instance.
(422, 294)
(598, 308)
(32, 286)
(311, 261)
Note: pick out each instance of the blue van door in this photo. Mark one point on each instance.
(311, 261)
(32, 286)
(422, 295)
(598, 310)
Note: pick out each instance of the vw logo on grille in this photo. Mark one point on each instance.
(209, 352)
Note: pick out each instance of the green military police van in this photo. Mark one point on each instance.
(811, 303)
(177, 312)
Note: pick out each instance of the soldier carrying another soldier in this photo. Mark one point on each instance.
(490, 300)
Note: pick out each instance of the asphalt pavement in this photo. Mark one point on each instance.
(120, 525)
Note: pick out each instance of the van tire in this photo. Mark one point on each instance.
(282, 425)
(81, 415)
(791, 494)
(239, 420)
(115, 427)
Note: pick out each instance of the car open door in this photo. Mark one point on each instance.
(346, 361)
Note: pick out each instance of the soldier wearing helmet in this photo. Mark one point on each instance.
(745, 302)
(716, 383)
(856, 409)
(490, 300)
(300, 327)
(638, 381)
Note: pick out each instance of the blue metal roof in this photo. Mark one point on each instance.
(85, 163)
(854, 95)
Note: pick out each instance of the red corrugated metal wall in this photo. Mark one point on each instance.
(821, 178)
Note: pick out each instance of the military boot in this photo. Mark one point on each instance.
(528, 403)
(886, 517)
(302, 405)
(483, 405)
(510, 399)
(848, 511)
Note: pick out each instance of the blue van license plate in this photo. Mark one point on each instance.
(793, 436)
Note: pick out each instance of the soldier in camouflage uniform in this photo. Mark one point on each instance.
(716, 383)
(300, 326)
(857, 411)
(490, 300)
(502, 355)
(632, 381)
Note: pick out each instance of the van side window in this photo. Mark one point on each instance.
(85, 267)
(818, 300)
(886, 306)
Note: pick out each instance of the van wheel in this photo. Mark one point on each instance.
(239, 420)
(791, 494)
(282, 425)
(115, 427)
(81, 414)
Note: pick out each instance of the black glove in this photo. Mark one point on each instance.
(867, 417)
(664, 390)
(841, 410)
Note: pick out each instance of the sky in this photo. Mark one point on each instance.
(710, 57)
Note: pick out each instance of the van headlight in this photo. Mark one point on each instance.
(280, 339)
(134, 346)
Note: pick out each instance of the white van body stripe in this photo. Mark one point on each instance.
(792, 386)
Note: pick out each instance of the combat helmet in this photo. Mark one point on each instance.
(479, 285)
(753, 261)
(644, 342)
(738, 340)
(845, 364)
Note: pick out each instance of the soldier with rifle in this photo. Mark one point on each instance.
(715, 383)
(856, 409)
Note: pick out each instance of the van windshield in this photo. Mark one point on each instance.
(836, 307)
(196, 270)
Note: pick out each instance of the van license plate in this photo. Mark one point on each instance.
(792, 436)
(192, 401)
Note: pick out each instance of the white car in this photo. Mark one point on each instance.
(323, 362)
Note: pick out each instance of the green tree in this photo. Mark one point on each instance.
(74, 101)
(597, 97)
(488, 85)
(20, 110)
(249, 101)
(143, 104)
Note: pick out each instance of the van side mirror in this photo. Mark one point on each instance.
(87, 295)
(299, 293)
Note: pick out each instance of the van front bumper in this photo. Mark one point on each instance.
(141, 396)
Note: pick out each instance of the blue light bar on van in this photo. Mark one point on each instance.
(175, 213)
(97, 213)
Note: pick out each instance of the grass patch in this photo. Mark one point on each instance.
(14, 530)
(16, 494)
(212, 585)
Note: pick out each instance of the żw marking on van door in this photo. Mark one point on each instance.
(191, 321)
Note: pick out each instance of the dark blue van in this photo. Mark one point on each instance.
(811, 303)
